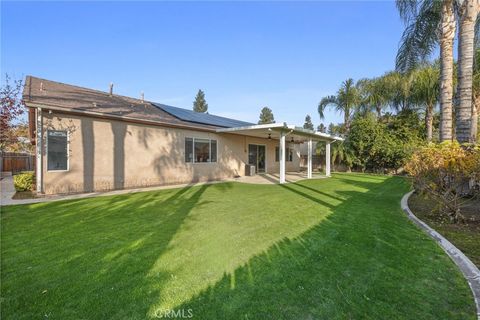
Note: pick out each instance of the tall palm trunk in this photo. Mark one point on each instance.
(346, 120)
(429, 122)
(474, 123)
(468, 16)
(446, 68)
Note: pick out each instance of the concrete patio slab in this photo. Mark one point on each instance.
(269, 178)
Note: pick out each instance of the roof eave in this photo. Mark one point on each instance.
(116, 117)
(283, 125)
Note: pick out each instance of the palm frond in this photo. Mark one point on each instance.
(329, 100)
(407, 9)
(420, 37)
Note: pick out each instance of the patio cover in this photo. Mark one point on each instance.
(295, 134)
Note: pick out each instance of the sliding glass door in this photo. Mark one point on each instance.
(257, 157)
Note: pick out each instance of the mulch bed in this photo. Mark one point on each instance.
(464, 235)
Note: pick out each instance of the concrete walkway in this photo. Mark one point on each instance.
(8, 190)
(466, 266)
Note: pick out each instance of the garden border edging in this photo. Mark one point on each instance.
(466, 266)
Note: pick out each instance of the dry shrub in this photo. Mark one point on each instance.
(447, 172)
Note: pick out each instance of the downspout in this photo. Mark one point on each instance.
(39, 149)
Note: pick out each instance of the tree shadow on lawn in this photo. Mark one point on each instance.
(364, 261)
(96, 246)
(126, 256)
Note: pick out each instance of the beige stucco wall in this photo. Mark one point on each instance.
(107, 154)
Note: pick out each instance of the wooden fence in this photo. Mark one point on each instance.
(15, 162)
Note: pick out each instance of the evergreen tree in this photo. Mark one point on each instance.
(332, 129)
(308, 123)
(200, 104)
(266, 116)
(321, 128)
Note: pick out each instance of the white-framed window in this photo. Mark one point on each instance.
(57, 150)
(199, 150)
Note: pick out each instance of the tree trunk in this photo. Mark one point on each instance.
(468, 16)
(429, 122)
(379, 112)
(446, 69)
(346, 119)
(474, 123)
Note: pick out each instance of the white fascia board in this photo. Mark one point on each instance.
(255, 127)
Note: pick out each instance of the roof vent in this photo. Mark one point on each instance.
(111, 89)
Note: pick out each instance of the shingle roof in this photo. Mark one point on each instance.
(78, 99)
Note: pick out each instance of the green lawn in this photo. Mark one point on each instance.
(336, 248)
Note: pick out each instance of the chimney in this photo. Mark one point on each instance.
(143, 97)
(111, 89)
(41, 86)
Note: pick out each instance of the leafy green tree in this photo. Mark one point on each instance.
(266, 116)
(345, 101)
(378, 146)
(200, 104)
(308, 123)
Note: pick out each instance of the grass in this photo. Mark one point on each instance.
(465, 236)
(326, 249)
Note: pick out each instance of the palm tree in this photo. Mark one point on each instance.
(425, 93)
(430, 22)
(476, 97)
(398, 87)
(346, 100)
(374, 94)
(342, 154)
(468, 12)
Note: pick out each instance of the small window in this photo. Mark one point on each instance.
(188, 150)
(200, 150)
(288, 154)
(57, 150)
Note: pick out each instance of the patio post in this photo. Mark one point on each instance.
(327, 160)
(309, 163)
(282, 157)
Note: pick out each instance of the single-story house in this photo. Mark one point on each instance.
(88, 140)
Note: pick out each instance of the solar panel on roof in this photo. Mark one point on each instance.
(203, 118)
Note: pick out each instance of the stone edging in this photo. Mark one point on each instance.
(468, 269)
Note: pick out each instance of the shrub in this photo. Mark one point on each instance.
(448, 173)
(25, 181)
(380, 147)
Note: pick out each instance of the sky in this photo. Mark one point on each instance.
(243, 55)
